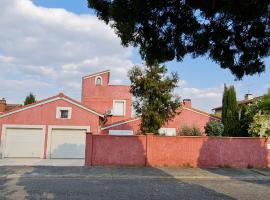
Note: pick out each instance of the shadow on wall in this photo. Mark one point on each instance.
(233, 152)
(68, 151)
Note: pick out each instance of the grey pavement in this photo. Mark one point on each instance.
(40, 162)
(133, 183)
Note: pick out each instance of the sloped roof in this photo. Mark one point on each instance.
(138, 118)
(48, 100)
(245, 101)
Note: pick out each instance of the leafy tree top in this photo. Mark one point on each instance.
(154, 98)
(30, 99)
(233, 33)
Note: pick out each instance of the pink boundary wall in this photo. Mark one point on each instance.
(157, 151)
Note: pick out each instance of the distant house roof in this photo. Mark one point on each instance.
(242, 102)
(10, 107)
(139, 118)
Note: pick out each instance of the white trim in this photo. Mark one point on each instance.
(121, 132)
(80, 106)
(121, 123)
(4, 130)
(120, 100)
(31, 106)
(101, 80)
(97, 74)
(58, 112)
(49, 101)
(50, 129)
(208, 115)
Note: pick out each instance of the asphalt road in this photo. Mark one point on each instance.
(101, 183)
(132, 188)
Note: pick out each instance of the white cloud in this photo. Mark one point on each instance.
(56, 47)
(205, 98)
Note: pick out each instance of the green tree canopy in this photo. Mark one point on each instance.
(264, 103)
(214, 128)
(230, 112)
(154, 99)
(233, 33)
(30, 99)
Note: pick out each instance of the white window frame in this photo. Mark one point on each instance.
(164, 131)
(114, 102)
(121, 132)
(101, 80)
(58, 112)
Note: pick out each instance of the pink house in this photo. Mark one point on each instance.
(55, 127)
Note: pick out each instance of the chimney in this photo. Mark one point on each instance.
(187, 103)
(3, 105)
(248, 96)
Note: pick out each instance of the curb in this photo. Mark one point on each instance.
(15, 176)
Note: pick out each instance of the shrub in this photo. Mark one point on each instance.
(260, 125)
(214, 128)
(189, 131)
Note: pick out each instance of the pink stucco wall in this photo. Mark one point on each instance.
(177, 151)
(100, 97)
(207, 152)
(118, 150)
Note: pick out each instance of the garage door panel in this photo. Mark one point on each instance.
(24, 143)
(67, 143)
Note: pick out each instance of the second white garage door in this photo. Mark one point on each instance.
(67, 143)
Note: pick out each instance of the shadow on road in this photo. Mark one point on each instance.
(104, 183)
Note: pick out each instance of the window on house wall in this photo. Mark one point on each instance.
(98, 80)
(119, 107)
(63, 112)
(167, 131)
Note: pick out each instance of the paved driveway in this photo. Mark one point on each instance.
(101, 183)
(40, 162)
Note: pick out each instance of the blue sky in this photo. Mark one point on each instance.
(46, 50)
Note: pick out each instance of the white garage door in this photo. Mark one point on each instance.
(24, 143)
(67, 143)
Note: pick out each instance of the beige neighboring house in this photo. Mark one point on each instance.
(248, 99)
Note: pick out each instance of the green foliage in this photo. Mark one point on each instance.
(153, 91)
(246, 117)
(190, 131)
(234, 34)
(30, 99)
(214, 128)
(260, 125)
(259, 117)
(230, 113)
(264, 103)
